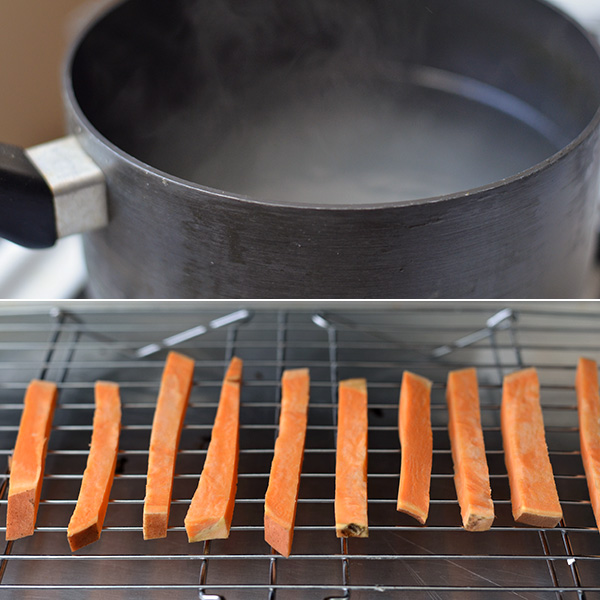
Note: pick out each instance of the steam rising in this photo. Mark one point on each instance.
(303, 102)
(367, 146)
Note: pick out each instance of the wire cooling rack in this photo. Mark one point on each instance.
(400, 559)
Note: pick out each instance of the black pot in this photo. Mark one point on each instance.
(323, 148)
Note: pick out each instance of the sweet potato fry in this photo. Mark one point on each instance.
(86, 522)
(172, 403)
(471, 474)
(282, 493)
(211, 510)
(416, 441)
(533, 491)
(351, 460)
(29, 458)
(588, 403)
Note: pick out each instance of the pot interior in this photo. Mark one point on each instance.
(337, 101)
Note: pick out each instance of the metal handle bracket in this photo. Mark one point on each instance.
(77, 183)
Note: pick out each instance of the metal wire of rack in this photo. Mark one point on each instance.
(76, 347)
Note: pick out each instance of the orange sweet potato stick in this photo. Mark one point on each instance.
(28, 460)
(471, 474)
(416, 441)
(282, 492)
(86, 522)
(351, 460)
(588, 402)
(172, 402)
(533, 491)
(211, 510)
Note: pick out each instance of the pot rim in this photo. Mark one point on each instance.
(477, 192)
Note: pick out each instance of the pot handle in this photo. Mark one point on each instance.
(48, 192)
